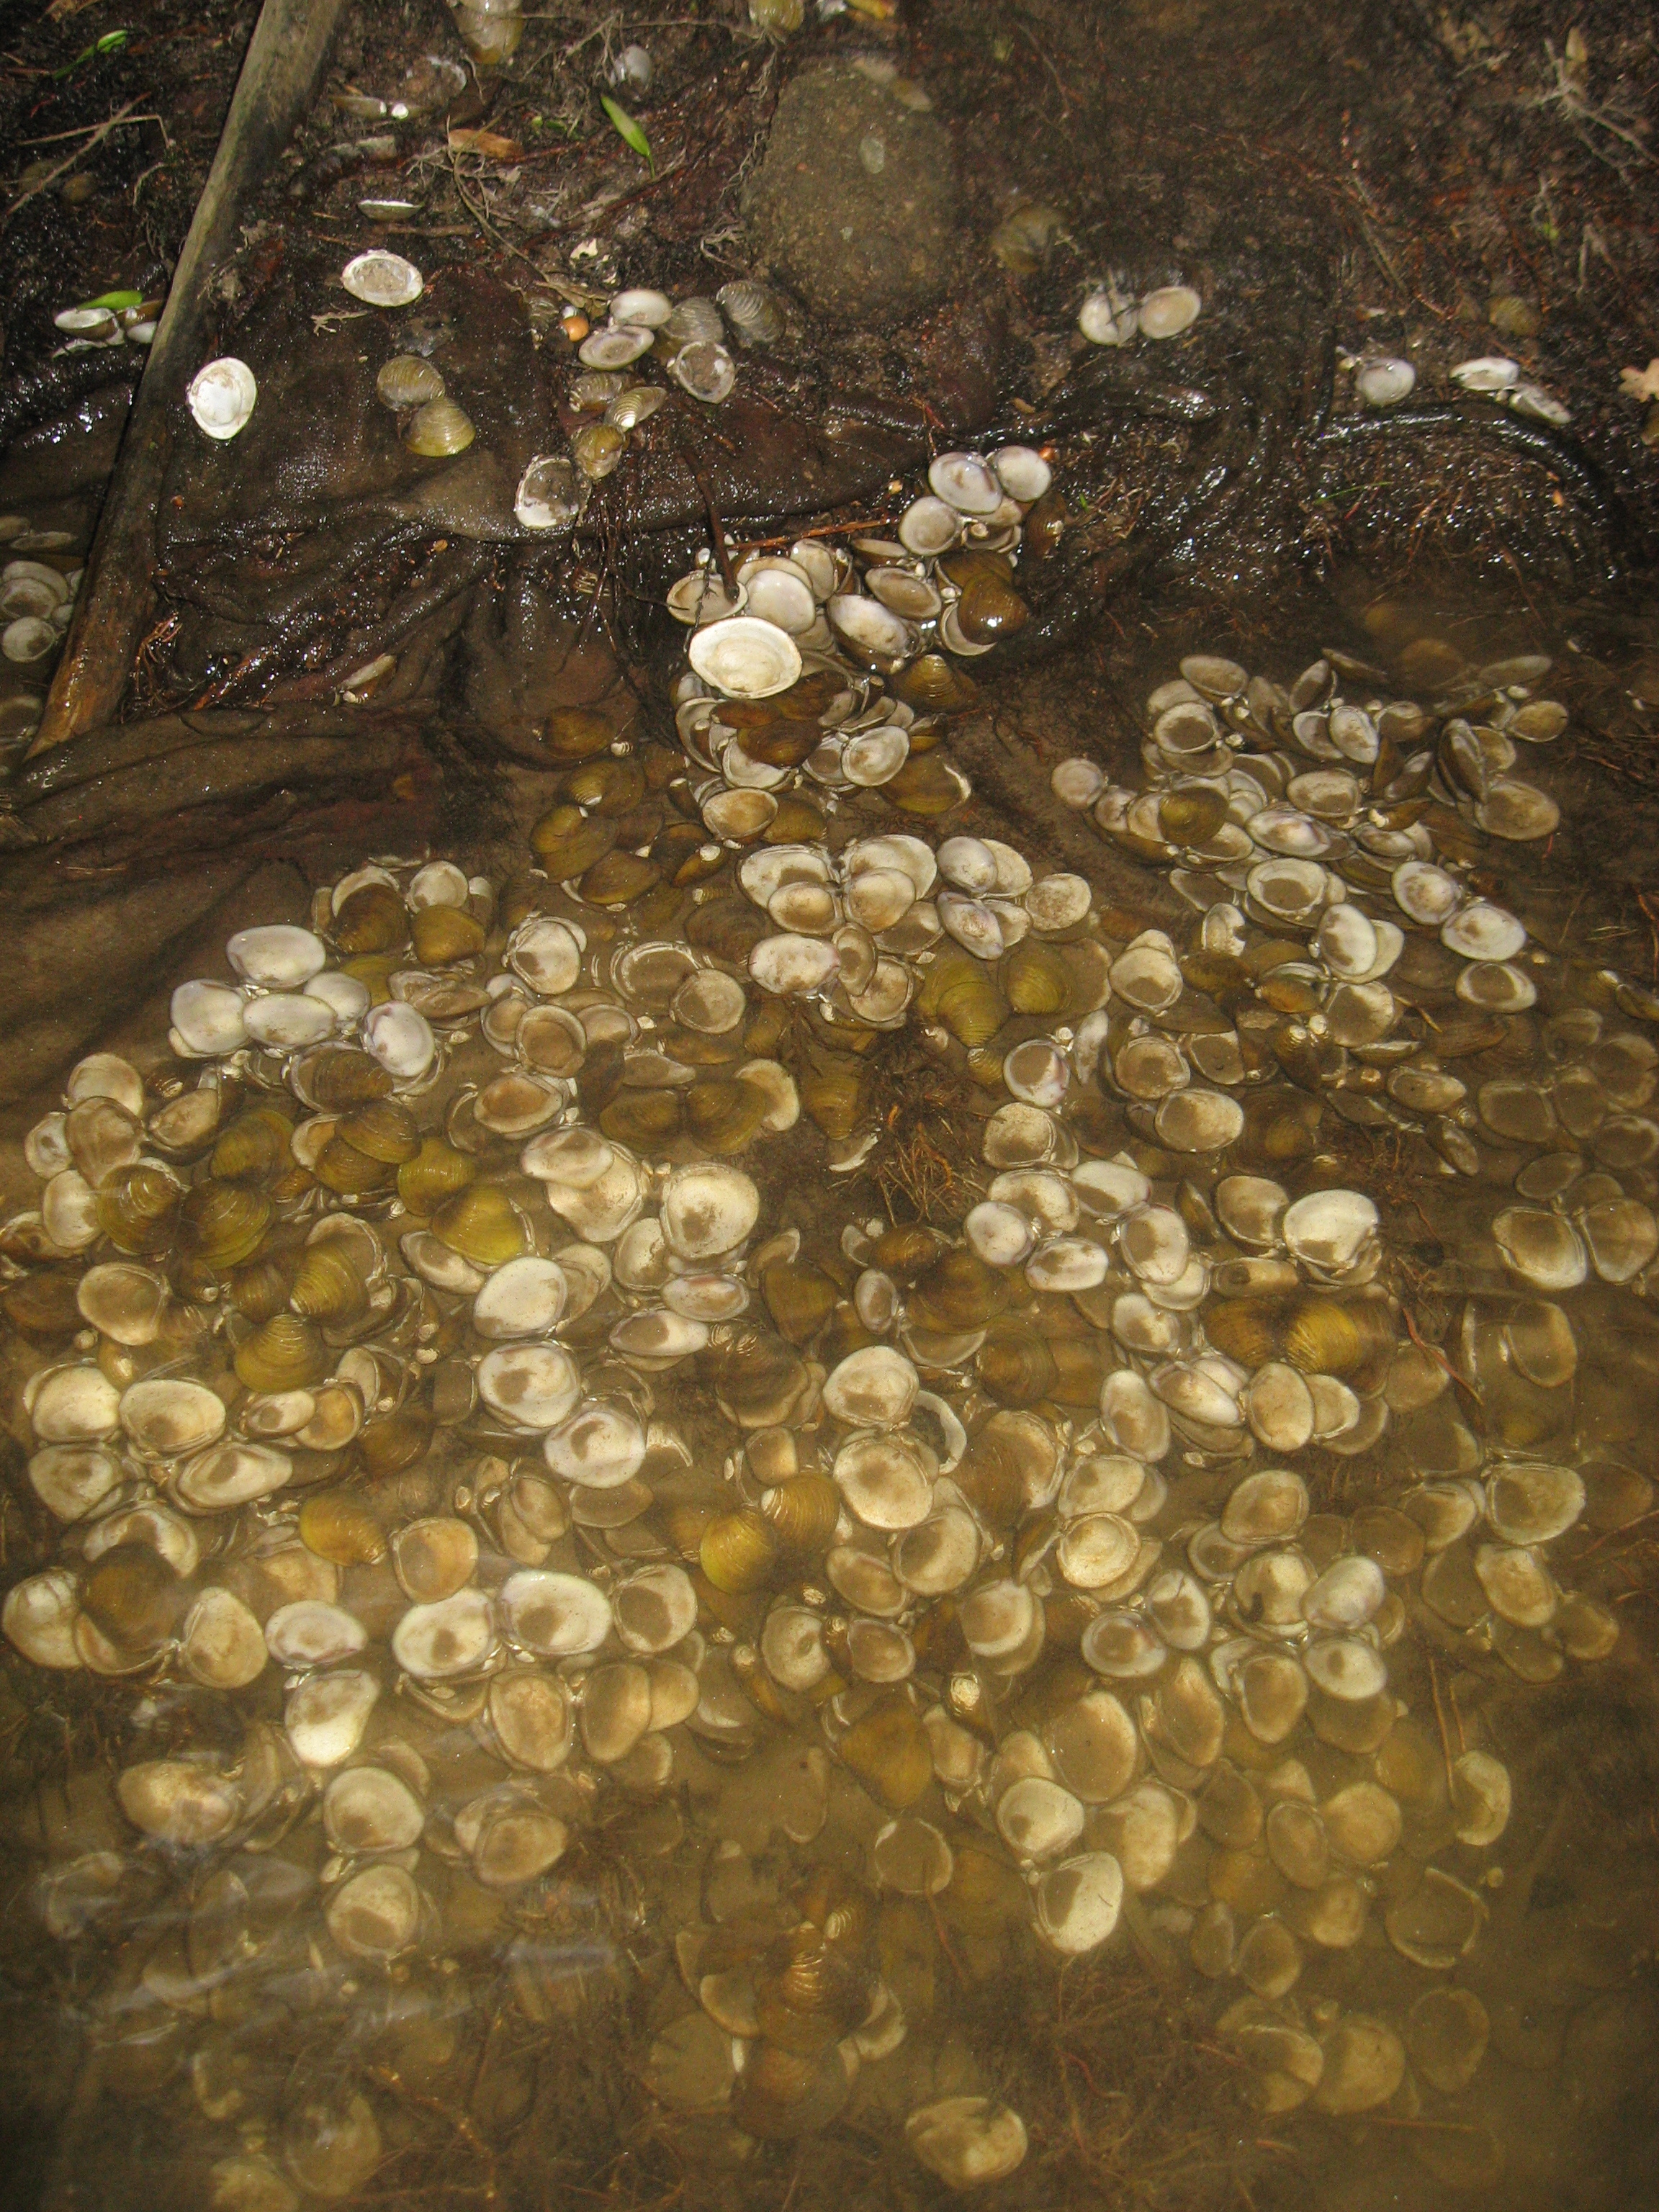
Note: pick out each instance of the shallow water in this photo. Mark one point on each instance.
(1250, 1762)
(849, 1485)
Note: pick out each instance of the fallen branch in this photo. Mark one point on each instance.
(99, 135)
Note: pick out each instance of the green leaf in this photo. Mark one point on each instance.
(111, 43)
(628, 130)
(114, 300)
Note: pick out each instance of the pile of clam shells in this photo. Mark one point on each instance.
(831, 667)
(613, 394)
(37, 601)
(426, 1367)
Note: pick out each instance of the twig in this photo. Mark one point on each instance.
(85, 131)
(818, 530)
(103, 132)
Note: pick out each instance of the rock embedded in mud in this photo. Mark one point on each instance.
(855, 202)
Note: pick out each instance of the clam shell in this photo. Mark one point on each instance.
(1487, 374)
(550, 494)
(1022, 473)
(745, 657)
(1107, 318)
(929, 526)
(615, 346)
(222, 397)
(1426, 893)
(965, 483)
(1384, 379)
(641, 307)
(555, 1615)
(779, 593)
(407, 381)
(755, 312)
(382, 280)
(454, 1637)
(967, 2140)
(1345, 1669)
(706, 370)
(1481, 931)
(1166, 312)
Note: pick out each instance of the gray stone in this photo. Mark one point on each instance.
(854, 203)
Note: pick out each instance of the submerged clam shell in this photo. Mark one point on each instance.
(745, 657)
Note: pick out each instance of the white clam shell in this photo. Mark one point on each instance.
(557, 1616)
(1022, 473)
(1487, 373)
(1107, 318)
(781, 593)
(965, 483)
(550, 494)
(435, 1643)
(1481, 931)
(1166, 312)
(401, 1039)
(1497, 986)
(282, 1021)
(615, 346)
(29, 638)
(887, 1479)
(1330, 1229)
(222, 397)
(526, 1297)
(642, 306)
(326, 1714)
(929, 526)
(1426, 893)
(383, 280)
(875, 756)
(1038, 1819)
(1345, 1667)
(1384, 379)
(745, 657)
(1346, 1596)
(967, 2140)
(39, 1618)
(793, 965)
(601, 1447)
(706, 370)
(1078, 1903)
(375, 1914)
(1542, 406)
(209, 1018)
(874, 1388)
(871, 630)
(529, 1386)
(278, 956)
(708, 1210)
